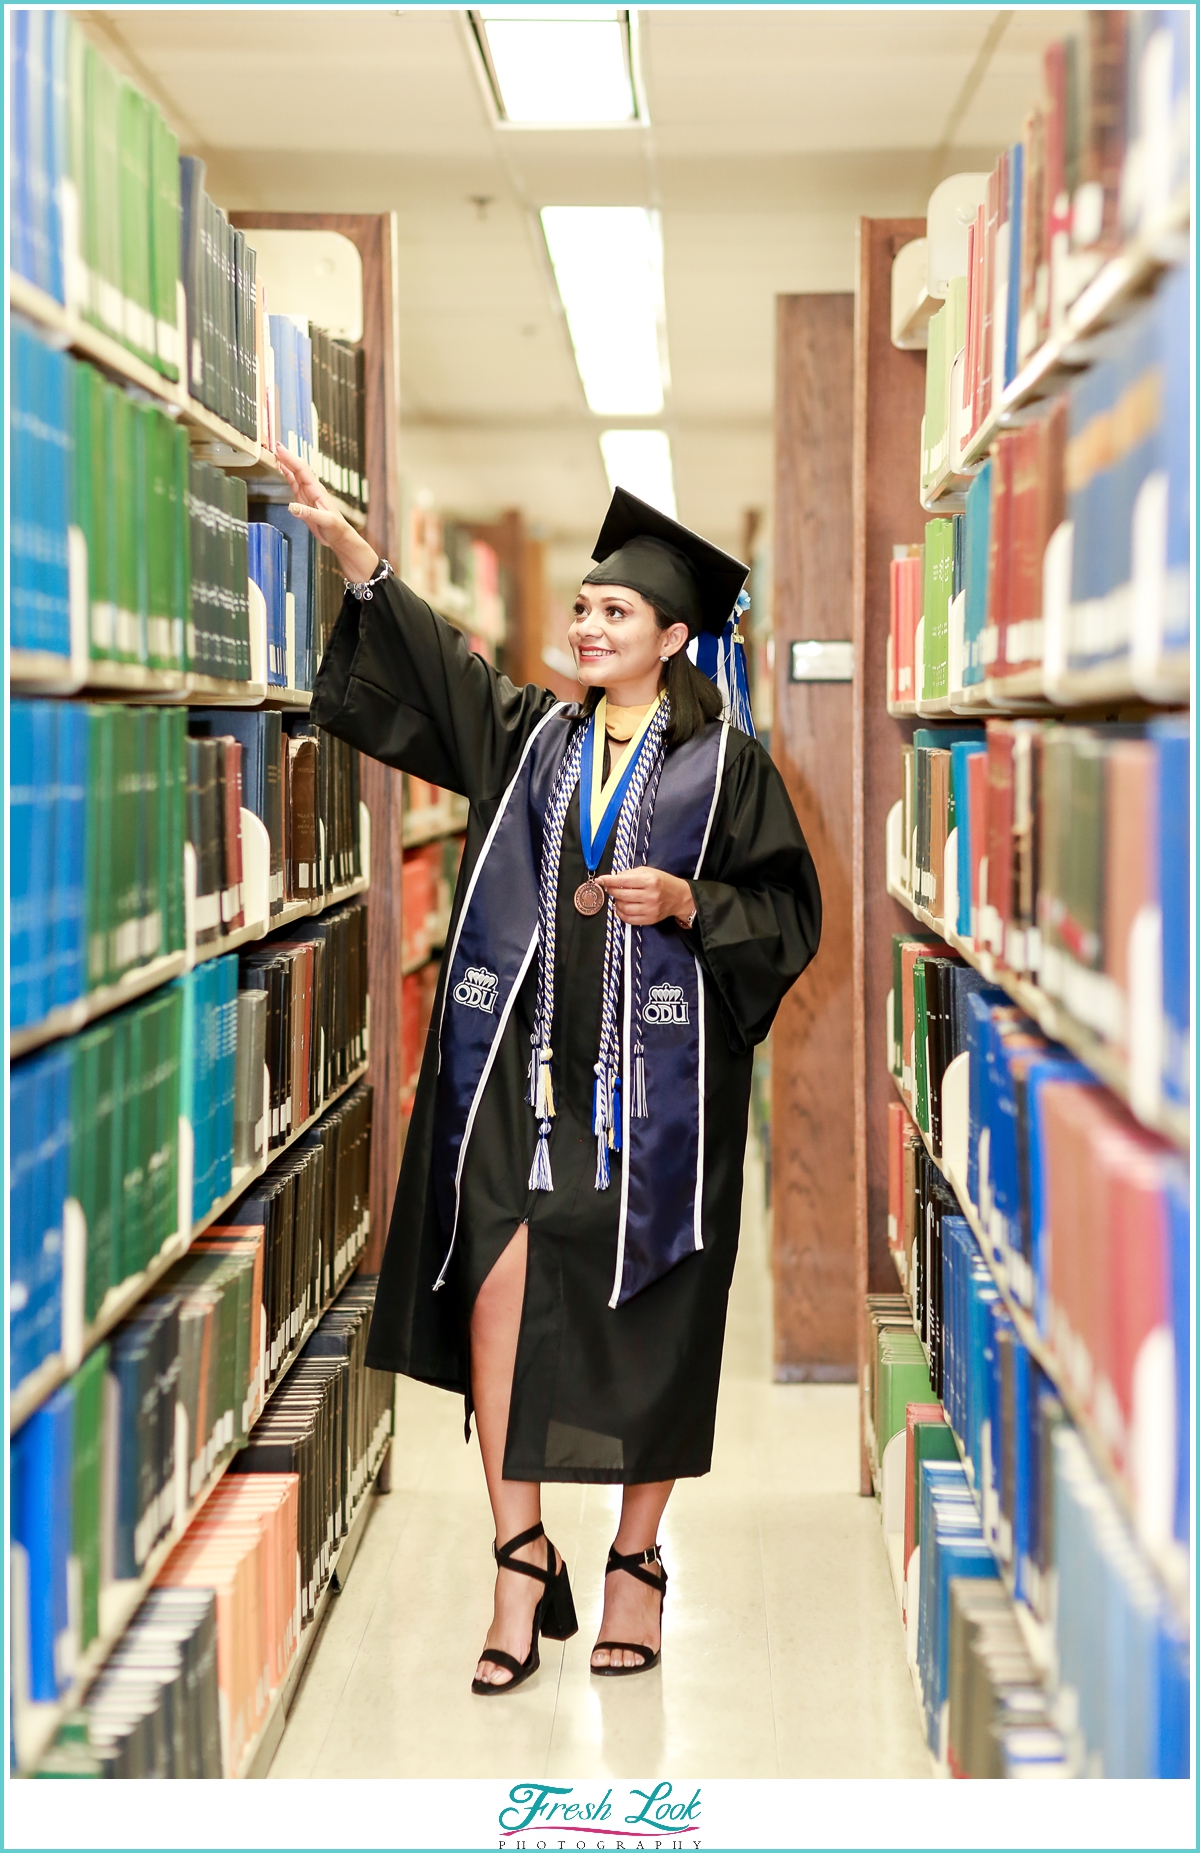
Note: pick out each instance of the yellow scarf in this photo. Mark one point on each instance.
(603, 788)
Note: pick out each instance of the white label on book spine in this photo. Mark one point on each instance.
(208, 911)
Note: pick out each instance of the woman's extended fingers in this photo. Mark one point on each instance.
(305, 484)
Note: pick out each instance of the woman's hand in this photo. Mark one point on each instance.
(356, 557)
(643, 897)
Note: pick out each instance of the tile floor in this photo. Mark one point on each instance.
(783, 1653)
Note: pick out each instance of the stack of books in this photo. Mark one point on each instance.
(218, 635)
(224, 308)
(95, 199)
(97, 821)
(316, 988)
(329, 1423)
(208, 1080)
(339, 403)
(1061, 853)
(243, 1549)
(155, 1711)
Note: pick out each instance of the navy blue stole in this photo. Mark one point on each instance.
(662, 1168)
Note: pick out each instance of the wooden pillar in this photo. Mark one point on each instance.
(375, 236)
(889, 399)
(812, 1118)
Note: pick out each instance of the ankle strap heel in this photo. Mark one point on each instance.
(635, 1564)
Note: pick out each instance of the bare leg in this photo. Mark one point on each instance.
(516, 1504)
(632, 1611)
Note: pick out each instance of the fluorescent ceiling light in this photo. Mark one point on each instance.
(608, 266)
(641, 462)
(566, 65)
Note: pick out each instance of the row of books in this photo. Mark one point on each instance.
(303, 786)
(224, 307)
(1072, 556)
(95, 194)
(427, 883)
(117, 1456)
(189, 1685)
(1063, 853)
(155, 1710)
(312, 1203)
(97, 832)
(1000, 1488)
(231, 1058)
(317, 1013)
(283, 565)
(329, 1423)
(318, 404)
(217, 640)
(1085, 1213)
(1103, 159)
(458, 575)
(102, 800)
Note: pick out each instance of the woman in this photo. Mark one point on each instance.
(635, 899)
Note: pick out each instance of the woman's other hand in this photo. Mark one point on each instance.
(356, 557)
(643, 897)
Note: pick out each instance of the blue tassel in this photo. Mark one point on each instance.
(614, 1131)
(723, 660)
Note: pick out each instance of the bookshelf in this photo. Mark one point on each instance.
(335, 862)
(1014, 1316)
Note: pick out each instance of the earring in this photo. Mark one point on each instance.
(664, 659)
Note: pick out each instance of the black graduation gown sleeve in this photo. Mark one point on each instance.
(400, 683)
(758, 904)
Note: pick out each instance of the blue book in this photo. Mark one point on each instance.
(960, 753)
(20, 249)
(1016, 170)
(283, 340)
(38, 179)
(189, 1093)
(59, 30)
(41, 1454)
(225, 974)
(22, 1280)
(26, 858)
(308, 436)
(41, 458)
(1173, 311)
(70, 873)
(300, 549)
(1172, 740)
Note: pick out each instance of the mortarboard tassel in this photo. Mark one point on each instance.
(738, 697)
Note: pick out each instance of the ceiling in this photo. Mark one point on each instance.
(772, 130)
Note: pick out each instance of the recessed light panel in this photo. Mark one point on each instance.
(568, 67)
(641, 462)
(608, 266)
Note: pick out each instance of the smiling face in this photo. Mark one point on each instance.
(617, 643)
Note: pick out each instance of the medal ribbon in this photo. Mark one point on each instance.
(599, 807)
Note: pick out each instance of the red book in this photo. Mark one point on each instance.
(1057, 237)
(975, 317)
(1070, 1111)
(913, 1414)
(991, 227)
(1136, 1370)
(1130, 794)
(1023, 591)
(897, 1121)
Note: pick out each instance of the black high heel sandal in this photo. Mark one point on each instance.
(554, 1615)
(633, 1566)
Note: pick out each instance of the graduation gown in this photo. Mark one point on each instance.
(627, 1394)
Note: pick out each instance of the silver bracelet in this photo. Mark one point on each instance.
(363, 588)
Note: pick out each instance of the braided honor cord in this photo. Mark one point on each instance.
(541, 1086)
(638, 1107)
(606, 1117)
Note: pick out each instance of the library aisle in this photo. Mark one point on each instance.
(781, 1654)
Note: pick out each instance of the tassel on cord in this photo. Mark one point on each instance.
(739, 714)
(543, 1096)
(540, 1176)
(638, 1109)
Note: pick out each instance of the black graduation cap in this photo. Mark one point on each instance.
(688, 579)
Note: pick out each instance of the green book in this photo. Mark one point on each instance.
(85, 396)
(100, 204)
(164, 1033)
(129, 642)
(902, 1377)
(124, 849)
(937, 587)
(172, 796)
(104, 590)
(141, 460)
(921, 1040)
(98, 842)
(86, 1487)
(152, 923)
(181, 540)
(133, 149)
(157, 439)
(164, 244)
(129, 1236)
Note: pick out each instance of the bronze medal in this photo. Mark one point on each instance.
(589, 897)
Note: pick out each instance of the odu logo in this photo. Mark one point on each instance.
(477, 989)
(665, 1005)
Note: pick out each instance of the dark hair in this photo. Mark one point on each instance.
(694, 699)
